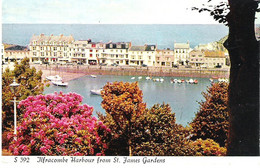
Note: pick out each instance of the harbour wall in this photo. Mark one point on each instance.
(135, 71)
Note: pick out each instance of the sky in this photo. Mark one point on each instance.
(105, 12)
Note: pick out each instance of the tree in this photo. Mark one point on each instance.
(212, 121)
(123, 103)
(243, 94)
(57, 124)
(30, 84)
(156, 133)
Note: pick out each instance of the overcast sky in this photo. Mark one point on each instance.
(105, 11)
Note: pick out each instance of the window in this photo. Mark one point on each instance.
(90, 55)
(34, 54)
(42, 53)
(90, 50)
(150, 57)
(55, 54)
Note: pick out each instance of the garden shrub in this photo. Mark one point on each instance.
(212, 120)
(207, 147)
(157, 134)
(57, 124)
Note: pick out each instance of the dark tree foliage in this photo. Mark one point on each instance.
(218, 12)
(212, 121)
(156, 133)
(30, 84)
(243, 92)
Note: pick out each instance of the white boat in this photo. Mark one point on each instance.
(96, 92)
(55, 78)
(161, 79)
(59, 83)
(133, 78)
(191, 81)
(93, 76)
(140, 77)
(156, 80)
(148, 78)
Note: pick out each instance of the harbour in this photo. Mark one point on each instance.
(182, 97)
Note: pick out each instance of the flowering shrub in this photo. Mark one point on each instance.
(207, 147)
(57, 124)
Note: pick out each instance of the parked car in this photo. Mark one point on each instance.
(46, 62)
(144, 65)
(102, 64)
(114, 64)
(175, 66)
(80, 63)
(92, 63)
(218, 66)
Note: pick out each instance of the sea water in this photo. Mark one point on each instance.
(162, 35)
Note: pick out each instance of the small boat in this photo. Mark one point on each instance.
(179, 81)
(191, 81)
(156, 80)
(196, 81)
(148, 78)
(96, 92)
(56, 78)
(140, 77)
(133, 78)
(59, 83)
(93, 76)
(211, 80)
(161, 79)
(182, 81)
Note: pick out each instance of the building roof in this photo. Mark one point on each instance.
(118, 45)
(137, 48)
(143, 48)
(181, 45)
(43, 38)
(214, 54)
(16, 47)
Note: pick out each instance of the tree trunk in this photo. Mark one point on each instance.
(243, 50)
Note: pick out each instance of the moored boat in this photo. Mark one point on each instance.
(56, 78)
(60, 83)
(93, 76)
(96, 92)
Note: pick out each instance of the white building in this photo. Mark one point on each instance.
(115, 53)
(181, 53)
(86, 52)
(139, 55)
(50, 48)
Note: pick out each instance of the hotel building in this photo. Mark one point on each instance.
(50, 48)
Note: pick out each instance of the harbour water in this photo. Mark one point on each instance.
(183, 98)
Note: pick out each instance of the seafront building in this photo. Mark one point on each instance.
(64, 49)
(85, 51)
(15, 53)
(208, 59)
(50, 48)
(181, 53)
(164, 58)
(142, 55)
(115, 53)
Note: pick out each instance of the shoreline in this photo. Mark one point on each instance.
(69, 73)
